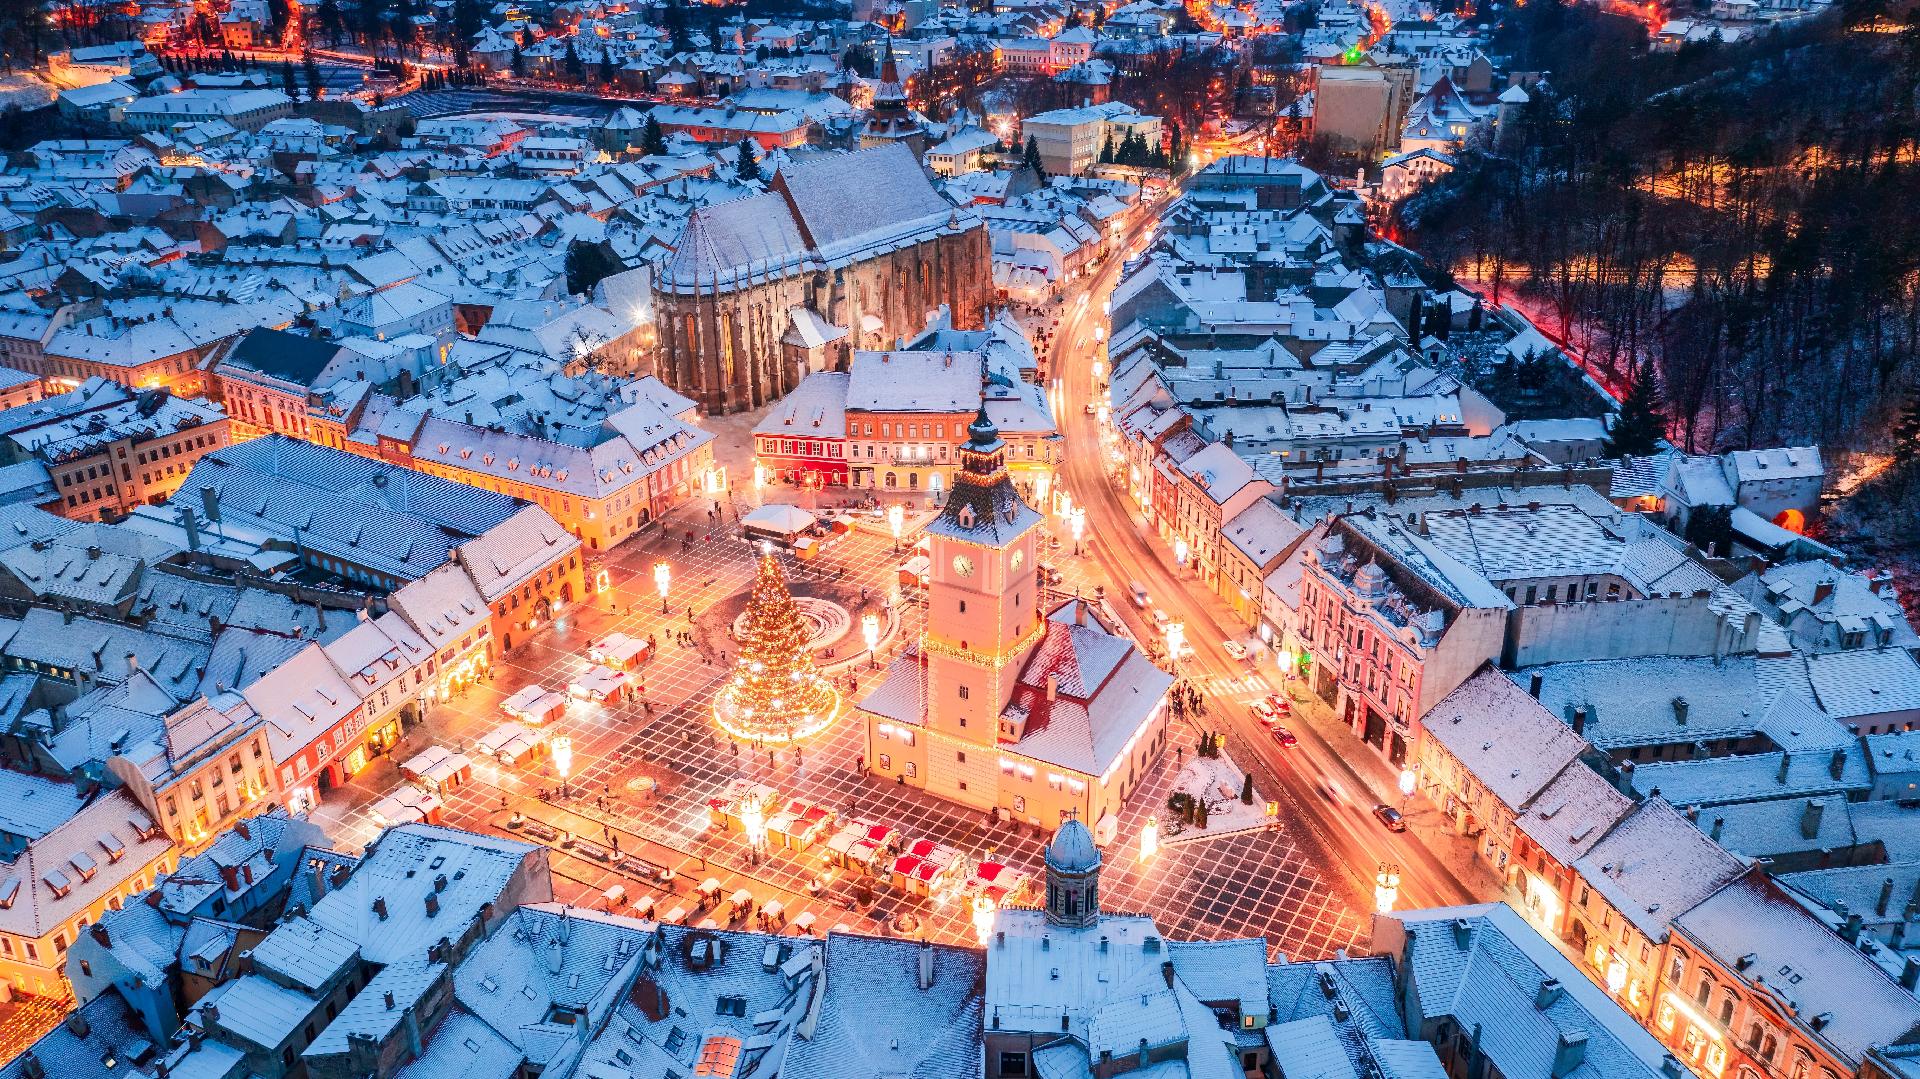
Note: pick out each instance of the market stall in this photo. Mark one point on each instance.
(863, 845)
(995, 881)
(511, 744)
(601, 683)
(742, 801)
(406, 804)
(620, 652)
(535, 705)
(438, 769)
(800, 825)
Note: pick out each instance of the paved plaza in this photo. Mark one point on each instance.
(1257, 883)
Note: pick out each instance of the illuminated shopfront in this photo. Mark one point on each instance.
(1540, 904)
(1693, 1037)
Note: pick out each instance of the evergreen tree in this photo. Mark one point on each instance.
(1176, 148)
(287, 79)
(607, 71)
(1031, 159)
(311, 70)
(587, 265)
(1246, 790)
(652, 139)
(1106, 150)
(748, 168)
(575, 70)
(518, 65)
(1638, 427)
(775, 693)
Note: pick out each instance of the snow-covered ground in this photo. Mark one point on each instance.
(1215, 781)
(25, 89)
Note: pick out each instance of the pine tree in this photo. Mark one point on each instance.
(518, 65)
(748, 167)
(1106, 150)
(1032, 158)
(1638, 427)
(576, 71)
(652, 139)
(1906, 428)
(1246, 790)
(287, 78)
(775, 694)
(606, 67)
(311, 69)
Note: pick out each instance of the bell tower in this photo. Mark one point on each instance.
(983, 606)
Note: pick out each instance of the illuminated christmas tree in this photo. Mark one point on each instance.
(775, 694)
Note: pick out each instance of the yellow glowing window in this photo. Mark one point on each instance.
(718, 1056)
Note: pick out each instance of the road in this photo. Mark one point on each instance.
(1322, 787)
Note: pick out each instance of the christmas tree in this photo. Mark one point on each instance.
(775, 694)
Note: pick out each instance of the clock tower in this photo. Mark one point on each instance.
(983, 607)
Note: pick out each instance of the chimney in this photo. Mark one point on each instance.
(380, 906)
(1886, 897)
(1580, 720)
(76, 1022)
(1910, 974)
(1810, 818)
(1626, 778)
(1570, 1053)
(99, 931)
(245, 832)
(1876, 580)
(1680, 710)
(926, 966)
(1714, 832)
(439, 882)
(1837, 763)
(1850, 932)
(210, 502)
(230, 876)
(389, 999)
(1786, 759)
(1550, 991)
(433, 906)
(1166, 971)
(1535, 684)
(1462, 933)
(1670, 1067)
(1053, 687)
(1822, 591)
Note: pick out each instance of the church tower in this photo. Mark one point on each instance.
(890, 119)
(983, 606)
(1073, 876)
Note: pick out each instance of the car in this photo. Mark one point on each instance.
(1285, 737)
(1263, 713)
(1390, 817)
(1139, 594)
(1280, 705)
(1235, 649)
(1092, 408)
(1161, 618)
(1050, 573)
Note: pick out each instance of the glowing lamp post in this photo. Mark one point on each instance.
(1149, 839)
(983, 919)
(1407, 779)
(1176, 639)
(1181, 551)
(1386, 888)
(896, 520)
(753, 821)
(662, 581)
(1077, 521)
(562, 749)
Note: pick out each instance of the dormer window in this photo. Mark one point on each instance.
(965, 517)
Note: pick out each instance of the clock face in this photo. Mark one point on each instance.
(1019, 559)
(963, 565)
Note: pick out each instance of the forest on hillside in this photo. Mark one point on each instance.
(1735, 222)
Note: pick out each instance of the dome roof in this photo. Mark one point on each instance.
(1072, 849)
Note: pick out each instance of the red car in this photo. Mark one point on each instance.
(1285, 737)
(1279, 705)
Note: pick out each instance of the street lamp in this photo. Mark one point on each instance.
(1149, 839)
(1180, 551)
(562, 749)
(662, 581)
(870, 631)
(896, 520)
(1407, 779)
(1386, 888)
(1176, 639)
(982, 919)
(1077, 521)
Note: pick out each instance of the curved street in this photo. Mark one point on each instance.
(1330, 780)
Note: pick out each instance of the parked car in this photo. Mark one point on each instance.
(1285, 737)
(1263, 713)
(1390, 817)
(1160, 618)
(1235, 649)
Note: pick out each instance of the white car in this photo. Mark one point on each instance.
(1235, 649)
(1160, 618)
